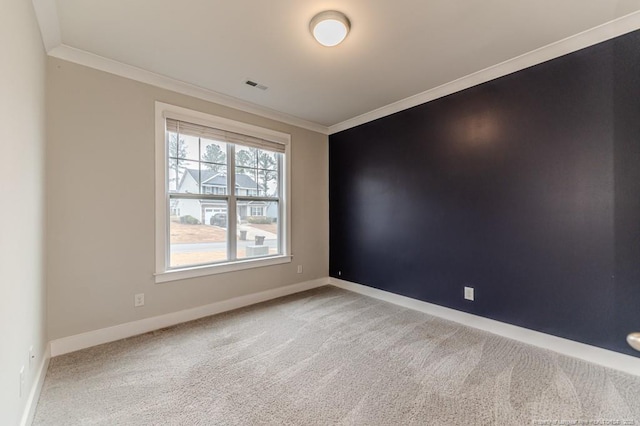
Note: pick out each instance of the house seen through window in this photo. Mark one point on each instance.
(225, 195)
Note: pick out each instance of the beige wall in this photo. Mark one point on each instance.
(22, 293)
(100, 200)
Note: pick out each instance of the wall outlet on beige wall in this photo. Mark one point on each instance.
(138, 300)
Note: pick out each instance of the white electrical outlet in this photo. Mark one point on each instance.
(138, 300)
(299, 269)
(468, 293)
(21, 380)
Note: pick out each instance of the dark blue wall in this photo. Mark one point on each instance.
(526, 188)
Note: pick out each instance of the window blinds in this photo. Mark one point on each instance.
(197, 130)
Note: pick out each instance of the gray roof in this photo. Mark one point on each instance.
(206, 174)
(209, 177)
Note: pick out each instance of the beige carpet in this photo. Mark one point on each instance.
(329, 356)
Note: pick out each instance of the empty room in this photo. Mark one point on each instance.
(320, 212)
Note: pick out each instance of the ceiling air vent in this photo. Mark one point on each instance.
(256, 85)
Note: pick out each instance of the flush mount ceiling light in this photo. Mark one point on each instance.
(330, 27)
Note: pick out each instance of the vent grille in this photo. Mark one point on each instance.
(256, 85)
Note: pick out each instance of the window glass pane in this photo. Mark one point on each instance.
(267, 160)
(214, 179)
(262, 167)
(172, 174)
(172, 144)
(175, 159)
(246, 182)
(246, 157)
(198, 232)
(267, 183)
(189, 147)
(258, 235)
(174, 210)
(244, 171)
(213, 152)
(188, 177)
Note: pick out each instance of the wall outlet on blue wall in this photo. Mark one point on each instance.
(468, 293)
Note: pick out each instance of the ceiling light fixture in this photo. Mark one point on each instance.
(330, 27)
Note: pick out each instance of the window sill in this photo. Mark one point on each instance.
(221, 268)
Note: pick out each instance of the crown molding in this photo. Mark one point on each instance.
(595, 35)
(101, 63)
(47, 17)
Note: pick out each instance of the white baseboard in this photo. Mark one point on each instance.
(582, 351)
(596, 355)
(121, 331)
(34, 395)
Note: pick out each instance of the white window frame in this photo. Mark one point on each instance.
(163, 273)
(257, 207)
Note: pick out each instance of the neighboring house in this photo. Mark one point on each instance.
(215, 183)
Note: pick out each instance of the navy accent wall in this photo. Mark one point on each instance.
(526, 188)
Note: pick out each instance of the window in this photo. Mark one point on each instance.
(256, 211)
(203, 227)
(208, 189)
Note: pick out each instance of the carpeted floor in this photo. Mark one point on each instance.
(329, 356)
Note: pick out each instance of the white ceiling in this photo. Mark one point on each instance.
(396, 48)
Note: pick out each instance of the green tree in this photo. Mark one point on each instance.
(177, 155)
(246, 158)
(214, 154)
(176, 150)
(266, 166)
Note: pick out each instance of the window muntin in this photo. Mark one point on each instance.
(199, 174)
(262, 167)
